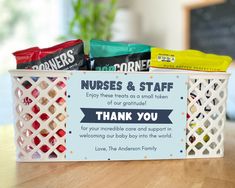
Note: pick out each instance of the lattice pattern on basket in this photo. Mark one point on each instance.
(40, 107)
(206, 117)
(40, 116)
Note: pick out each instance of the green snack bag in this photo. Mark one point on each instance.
(117, 56)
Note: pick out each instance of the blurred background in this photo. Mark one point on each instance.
(207, 25)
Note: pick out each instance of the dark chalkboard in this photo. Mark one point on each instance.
(212, 28)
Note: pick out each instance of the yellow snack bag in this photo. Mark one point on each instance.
(189, 60)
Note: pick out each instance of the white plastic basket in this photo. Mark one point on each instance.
(40, 114)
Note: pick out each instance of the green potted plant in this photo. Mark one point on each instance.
(92, 20)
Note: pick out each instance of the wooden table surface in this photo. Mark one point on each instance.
(219, 172)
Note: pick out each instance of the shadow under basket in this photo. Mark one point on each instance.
(40, 114)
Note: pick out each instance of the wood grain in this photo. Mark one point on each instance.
(195, 173)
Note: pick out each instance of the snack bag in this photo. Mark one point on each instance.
(24, 57)
(116, 56)
(87, 63)
(189, 60)
(65, 56)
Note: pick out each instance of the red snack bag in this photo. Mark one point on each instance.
(65, 56)
(25, 57)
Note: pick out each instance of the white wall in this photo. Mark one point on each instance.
(162, 21)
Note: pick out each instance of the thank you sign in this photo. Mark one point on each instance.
(126, 116)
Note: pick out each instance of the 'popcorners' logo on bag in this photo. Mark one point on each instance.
(58, 62)
(128, 62)
(132, 66)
